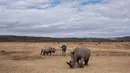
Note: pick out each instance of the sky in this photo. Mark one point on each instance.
(65, 18)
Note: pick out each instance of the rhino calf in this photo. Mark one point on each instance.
(47, 51)
(79, 55)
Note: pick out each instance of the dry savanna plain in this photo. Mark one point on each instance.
(24, 57)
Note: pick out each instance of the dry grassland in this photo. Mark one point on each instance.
(24, 57)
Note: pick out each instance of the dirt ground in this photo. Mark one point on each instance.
(24, 57)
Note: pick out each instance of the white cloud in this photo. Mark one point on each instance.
(68, 19)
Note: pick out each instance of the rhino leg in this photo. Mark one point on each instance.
(50, 53)
(41, 53)
(86, 61)
(78, 62)
(46, 53)
(81, 65)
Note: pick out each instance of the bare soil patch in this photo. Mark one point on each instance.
(106, 57)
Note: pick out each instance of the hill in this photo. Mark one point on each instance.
(13, 38)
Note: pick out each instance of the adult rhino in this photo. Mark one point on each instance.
(47, 50)
(79, 55)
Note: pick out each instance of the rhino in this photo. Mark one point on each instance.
(47, 50)
(79, 55)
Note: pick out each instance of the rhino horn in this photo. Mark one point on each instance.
(68, 63)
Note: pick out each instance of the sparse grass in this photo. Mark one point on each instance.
(23, 57)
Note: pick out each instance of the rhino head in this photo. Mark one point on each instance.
(53, 50)
(72, 62)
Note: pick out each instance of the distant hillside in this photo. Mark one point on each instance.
(126, 38)
(12, 38)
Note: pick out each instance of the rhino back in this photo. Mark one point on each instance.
(82, 52)
(46, 49)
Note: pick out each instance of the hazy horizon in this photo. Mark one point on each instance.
(65, 18)
(65, 37)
